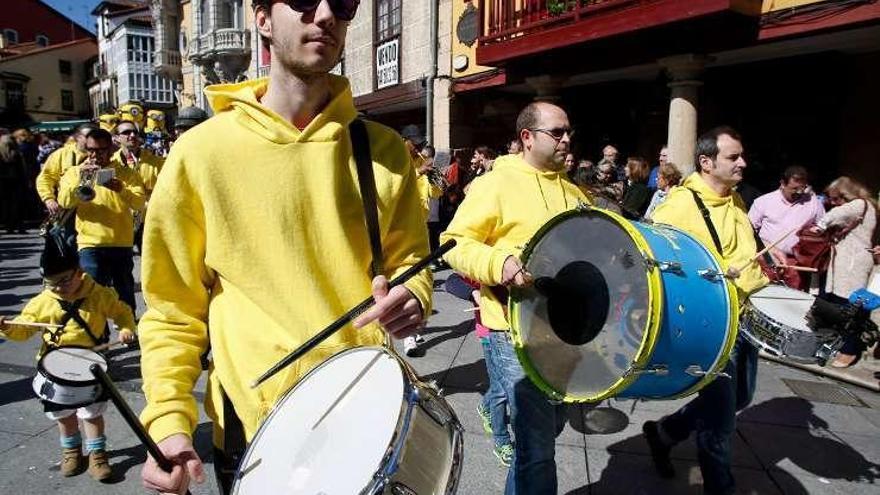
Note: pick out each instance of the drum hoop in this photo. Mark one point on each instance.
(64, 381)
(748, 304)
(405, 403)
(732, 328)
(652, 326)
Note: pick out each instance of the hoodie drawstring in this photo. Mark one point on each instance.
(561, 188)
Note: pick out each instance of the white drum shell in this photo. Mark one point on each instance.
(358, 423)
(68, 387)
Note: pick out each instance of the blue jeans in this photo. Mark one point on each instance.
(535, 422)
(111, 267)
(494, 400)
(713, 416)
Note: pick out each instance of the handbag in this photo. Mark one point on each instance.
(814, 246)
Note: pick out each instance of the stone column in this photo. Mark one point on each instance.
(547, 87)
(684, 72)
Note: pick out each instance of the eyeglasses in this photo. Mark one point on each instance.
(557, 133)
(58, 283)
(344, 10)
(127, 132)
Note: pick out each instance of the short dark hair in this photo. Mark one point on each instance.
(793, 171)
(486, 151)
(429, 151)
(707, 143)
(528, 118)
(100, 135)
(87, 128)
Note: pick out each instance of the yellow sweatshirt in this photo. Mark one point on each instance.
(499, 215)
(100, 304)
(56, 165)
(731, 221)
(147, 165)
(260, 238)
(427, 191)
(105, 221)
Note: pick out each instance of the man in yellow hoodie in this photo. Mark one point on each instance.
(104, 224)
(261, 237)
(499, 215)
(712, 415)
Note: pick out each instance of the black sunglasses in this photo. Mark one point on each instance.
(556, 133)
(344, 10)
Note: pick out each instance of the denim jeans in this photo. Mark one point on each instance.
(535, 423)
(111, 267)
(494, 400)
(713, 416)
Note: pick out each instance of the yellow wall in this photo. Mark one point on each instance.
(46, 81)
(771, 5)
(458, 48)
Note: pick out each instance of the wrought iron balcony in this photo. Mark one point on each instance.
(515, 28)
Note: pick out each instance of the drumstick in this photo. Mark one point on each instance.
(471, 310)
(130, 418)
(108, 345)
(767, 248)
(34, 324)
(800, 268)
(352, 314)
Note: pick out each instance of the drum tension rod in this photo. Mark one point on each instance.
(659, 370)
(664, 266)
(710, 274)
(696, 370)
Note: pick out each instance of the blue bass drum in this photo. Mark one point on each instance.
(621, 309)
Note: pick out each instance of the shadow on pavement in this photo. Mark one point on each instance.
(16, 391)
(136, 455)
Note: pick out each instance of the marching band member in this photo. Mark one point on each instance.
(500, 213)
(142, 161)
(72, 299)
(104, 223)
(71, 154)
(728, 232)
(260, 238)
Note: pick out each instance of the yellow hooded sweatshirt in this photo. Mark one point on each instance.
(731, 221)
(256, 233)
(56, 165)
(147, 165)
(100, 304)
(501, 212)
(105, 221)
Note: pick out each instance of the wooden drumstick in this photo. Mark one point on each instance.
(763, 251)
(34, 324)
(131, 419)
(799, 268)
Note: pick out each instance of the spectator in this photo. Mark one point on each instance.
(636, 194)
(668, 177)
(514, 147)
(13, 182)
(662, 159)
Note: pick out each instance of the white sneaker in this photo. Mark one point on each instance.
(410, 346)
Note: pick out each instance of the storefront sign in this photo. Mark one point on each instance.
(388, 63)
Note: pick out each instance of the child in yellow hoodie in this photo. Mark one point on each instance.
(74, 300)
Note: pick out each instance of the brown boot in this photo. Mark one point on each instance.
(70, 461)
(99, 465)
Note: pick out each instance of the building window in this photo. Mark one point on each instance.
(42, 40)
(67, 100)
(387, 19)
(66, 70)
(11, 36)
(14, 95)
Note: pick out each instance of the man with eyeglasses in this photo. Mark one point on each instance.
(257, 229)
(500, 214)
(104, 224)
(145, 163)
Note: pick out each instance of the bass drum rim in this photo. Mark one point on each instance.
(652, 326)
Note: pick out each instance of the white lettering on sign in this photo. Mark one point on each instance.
(387, 63)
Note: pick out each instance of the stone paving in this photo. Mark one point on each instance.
(785, 444)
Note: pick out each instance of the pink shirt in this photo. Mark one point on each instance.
(773, 217)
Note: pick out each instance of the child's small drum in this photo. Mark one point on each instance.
(63, 376)
(361, 422)
(775, 319)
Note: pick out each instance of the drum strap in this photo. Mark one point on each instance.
(71, 312)
(705, 212)
(360, 145)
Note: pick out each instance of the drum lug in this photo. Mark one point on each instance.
(664, 266)
(583, 207)
(697, 371)
(659, 370)
(710, 274)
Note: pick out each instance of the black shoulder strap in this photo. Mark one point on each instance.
(360, 145)
(71, 312)
(708, 219)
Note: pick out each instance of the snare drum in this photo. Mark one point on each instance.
(360, 422)
(63, 376)
(622, 309)
(775, 319)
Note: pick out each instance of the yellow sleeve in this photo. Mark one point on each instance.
(116, 310)
(133, 190)
(407, 240)
(176, 283)
(49, 178)
(30, 314)
(67, 197)
(473, 225)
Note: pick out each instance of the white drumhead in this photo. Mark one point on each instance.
(72, 363)
(331, 432)
(785, 305)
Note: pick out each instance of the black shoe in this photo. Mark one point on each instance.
(659, 451)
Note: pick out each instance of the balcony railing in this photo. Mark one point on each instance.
(167, 58)
(221, 41)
